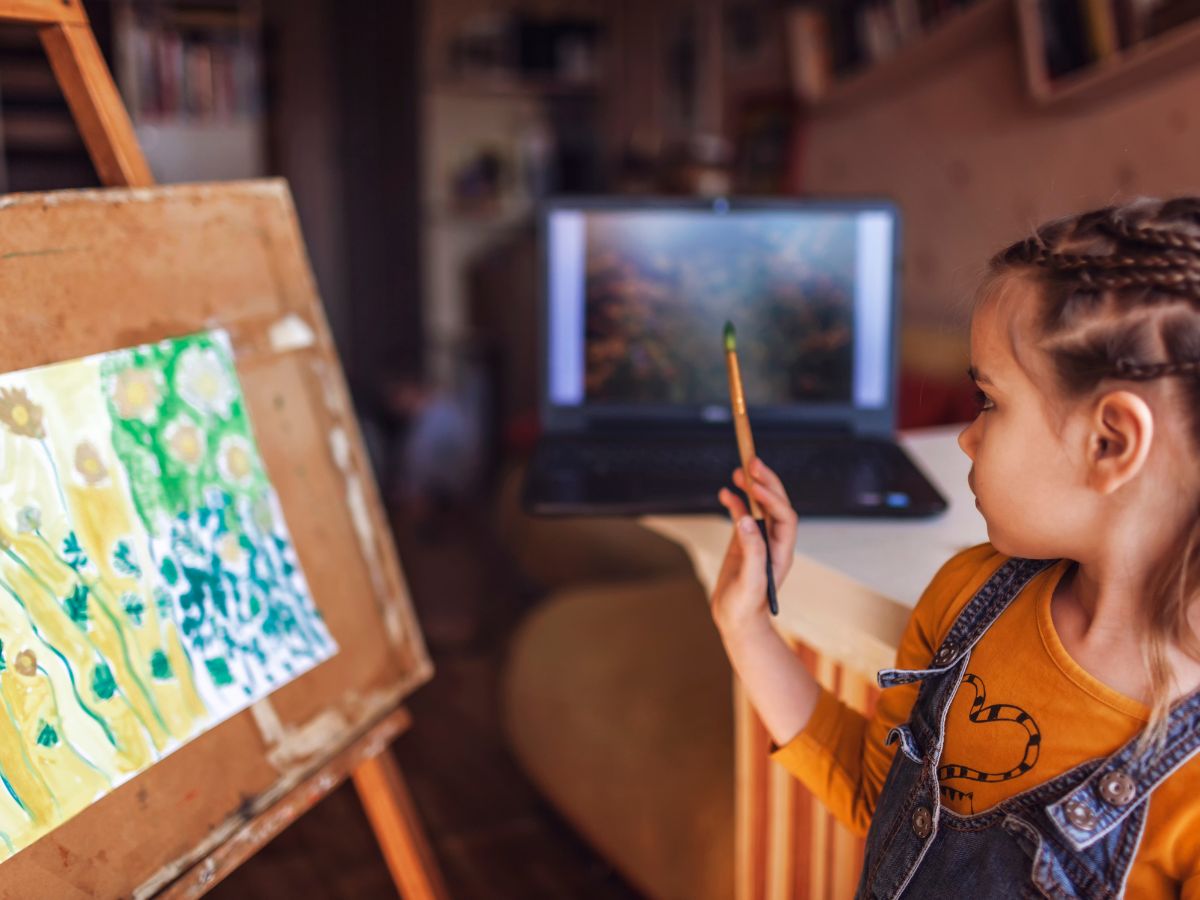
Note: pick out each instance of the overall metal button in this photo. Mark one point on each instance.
(1117, 788)
(922, 822)
(944, 655)
(1080, 815)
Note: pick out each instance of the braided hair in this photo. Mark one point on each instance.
(1119, 298)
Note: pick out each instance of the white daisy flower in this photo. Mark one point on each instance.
(185, 442)
(235, 460)
(136, 392)
(203, 382)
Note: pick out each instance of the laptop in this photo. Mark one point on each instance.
(634, 396)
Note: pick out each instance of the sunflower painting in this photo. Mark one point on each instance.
(149, 588)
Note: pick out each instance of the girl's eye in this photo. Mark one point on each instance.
(980, 399)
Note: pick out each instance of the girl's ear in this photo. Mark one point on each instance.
(1118, 441)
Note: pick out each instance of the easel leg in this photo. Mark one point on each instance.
(389, 807)
(95, 104)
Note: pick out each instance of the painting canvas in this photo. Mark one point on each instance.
(149, 588)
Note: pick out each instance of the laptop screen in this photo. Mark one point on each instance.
(638, 296)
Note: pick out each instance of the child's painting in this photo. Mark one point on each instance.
(148, 585)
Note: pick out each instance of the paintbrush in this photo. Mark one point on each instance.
(745, 441)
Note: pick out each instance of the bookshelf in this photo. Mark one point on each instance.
(1104, 48)
(945, 37)
(514, 97)
(191, 75)
(189, 72)
(40, 145)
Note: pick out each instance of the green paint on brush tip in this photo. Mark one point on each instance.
(730, 338)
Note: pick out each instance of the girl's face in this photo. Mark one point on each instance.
(1025, 478)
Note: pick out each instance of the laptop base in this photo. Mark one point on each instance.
(824, 477)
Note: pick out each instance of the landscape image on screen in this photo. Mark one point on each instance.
(660, 287)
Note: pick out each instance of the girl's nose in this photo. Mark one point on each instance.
(966, 442)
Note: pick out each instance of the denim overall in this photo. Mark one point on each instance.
(1072, 836)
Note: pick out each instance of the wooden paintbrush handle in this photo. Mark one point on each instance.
(741, 426)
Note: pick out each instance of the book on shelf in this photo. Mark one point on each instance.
(808, 52)
(40, 130)
(1101, 19)
(1077, 34)
(1127, 23)
(188, 73)
(1064, 44)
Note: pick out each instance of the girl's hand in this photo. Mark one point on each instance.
(740, 594)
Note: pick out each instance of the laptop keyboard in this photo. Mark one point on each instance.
(790, 459)
(648, 473)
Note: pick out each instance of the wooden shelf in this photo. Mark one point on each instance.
(960, 30)
(1142, 62)
(29, 81)
(41, 130)
(211, 19)
(954, 36)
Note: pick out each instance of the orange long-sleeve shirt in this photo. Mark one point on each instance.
(1021, 664)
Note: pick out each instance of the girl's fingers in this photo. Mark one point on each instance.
(777, 506)
(775, 502)
(769, 482)
(754, 550)
(732, 502)
(782, 521)
(766, 475)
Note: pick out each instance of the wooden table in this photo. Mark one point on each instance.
(842, 609)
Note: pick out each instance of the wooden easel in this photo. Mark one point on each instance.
(106, 129)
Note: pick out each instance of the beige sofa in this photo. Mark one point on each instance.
(617, 700)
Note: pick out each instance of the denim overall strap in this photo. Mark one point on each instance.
(1124, 781)
(976, 617)
(907, 818)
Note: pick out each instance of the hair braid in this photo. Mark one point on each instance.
(1164, 260)
(1177, 280)
(1158, 237)
(1127, 368)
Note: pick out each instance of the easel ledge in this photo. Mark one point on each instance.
(104, 124)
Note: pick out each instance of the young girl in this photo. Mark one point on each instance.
(1039, 733)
